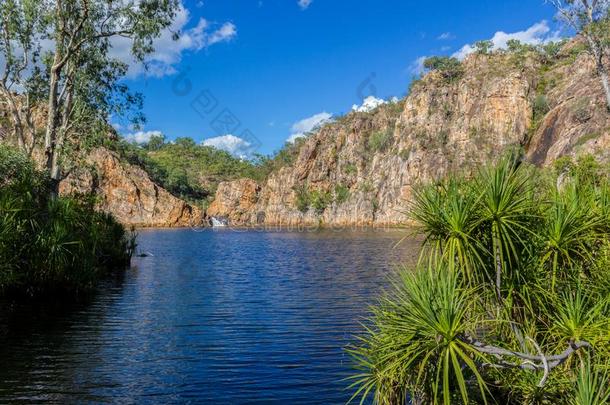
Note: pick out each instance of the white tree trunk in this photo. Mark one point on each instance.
(50, 140)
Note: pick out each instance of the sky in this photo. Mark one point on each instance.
(248, 75)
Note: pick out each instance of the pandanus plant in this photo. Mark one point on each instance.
(506, 297)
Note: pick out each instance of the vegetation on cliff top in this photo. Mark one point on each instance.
(510, 302)
(193, 171)
(48, 244)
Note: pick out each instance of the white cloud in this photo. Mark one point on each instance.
(300, 128)
(445, 36)
(304, 4)
(417, 67)
(369, 104)
(141, 137)
(539, 33)
(230, 143)
(168, 52)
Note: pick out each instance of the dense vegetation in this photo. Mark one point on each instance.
(52, 244)
(510, 301)
(193, 171)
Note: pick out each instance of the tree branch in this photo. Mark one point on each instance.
(525, 361)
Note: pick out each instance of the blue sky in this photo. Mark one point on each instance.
(253, 69)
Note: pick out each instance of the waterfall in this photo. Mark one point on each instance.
(218, 222)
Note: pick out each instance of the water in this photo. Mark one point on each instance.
(219, 316)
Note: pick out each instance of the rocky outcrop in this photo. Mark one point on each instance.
(578, 121)
(360, 169)
(128, 193)
(235, 201)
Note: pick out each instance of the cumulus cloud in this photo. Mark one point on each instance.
(445, 36)
(300, 128)
(168, 52)
(539, 33)
(369, 104)
(142, 137)
(233, 144)
(304, 4)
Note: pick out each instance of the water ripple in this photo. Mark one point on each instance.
(213, 317)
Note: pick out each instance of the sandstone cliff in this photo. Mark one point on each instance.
(360, 169)
(128, 193)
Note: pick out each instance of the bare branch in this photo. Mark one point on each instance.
(525, 361)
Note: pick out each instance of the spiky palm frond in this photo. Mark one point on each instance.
(570, 226)
(414, 345)
(592, 386)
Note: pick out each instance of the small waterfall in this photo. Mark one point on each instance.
(218, 222)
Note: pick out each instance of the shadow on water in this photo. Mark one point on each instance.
(213, 317)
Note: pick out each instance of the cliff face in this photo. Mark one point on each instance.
(360, 170)
(128, 193)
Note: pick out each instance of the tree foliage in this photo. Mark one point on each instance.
(450, 68)
(74, 77)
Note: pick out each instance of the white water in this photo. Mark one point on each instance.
(218, 222)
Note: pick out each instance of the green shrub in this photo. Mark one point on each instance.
(509, 295)
(379, 141)
(350, 168)
(451, 69)
(52, 244)
(303, 198)
(320, 200)
(483, 47)
(341, 193)
(541, 107)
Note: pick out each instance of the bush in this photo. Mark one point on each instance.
(303, 198)
(510, 293)
(380, 140)
(320, 200)
(341, 193)
(450, 68)
(541, 107)
(483, 47)
(350, 168)
(52, 244)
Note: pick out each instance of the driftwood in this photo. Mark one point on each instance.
(527, 361)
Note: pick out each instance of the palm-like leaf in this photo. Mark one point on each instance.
(570, 227)
(414, 345)
(592, 386)
(506, 213)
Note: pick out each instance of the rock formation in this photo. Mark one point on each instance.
(360, 169)
(128, 193)
(234, 200)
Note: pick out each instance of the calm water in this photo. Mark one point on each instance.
(214, 317)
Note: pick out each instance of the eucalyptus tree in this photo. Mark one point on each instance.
(58, 57)
(591, 20)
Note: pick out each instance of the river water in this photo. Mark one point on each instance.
(218, 316)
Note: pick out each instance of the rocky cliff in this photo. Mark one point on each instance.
(128, 193)
(360, 169)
